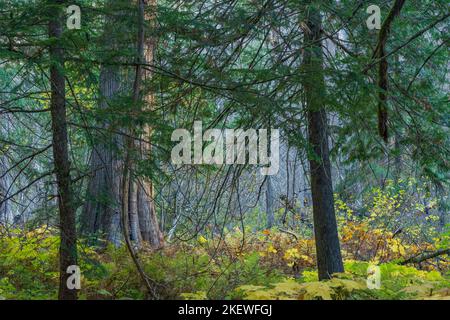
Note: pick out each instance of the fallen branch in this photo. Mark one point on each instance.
(290, 233)
(425, 256)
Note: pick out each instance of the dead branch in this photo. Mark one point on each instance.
(425, 256)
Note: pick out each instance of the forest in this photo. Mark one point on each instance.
(224, 150)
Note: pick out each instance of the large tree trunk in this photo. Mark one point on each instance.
(148, 220)
(68, 249)
(328, 251)
(101, 212)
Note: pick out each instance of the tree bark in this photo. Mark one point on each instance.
(133, 213)
(380, 54)
(101, 215)
(128, 182)
(101, 212)
(68, 249)
(4, 203)
(425, 256)
(126, 179)
(328, 251)
(148, 220)
(269, 203)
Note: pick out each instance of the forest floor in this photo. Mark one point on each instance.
(267, 265)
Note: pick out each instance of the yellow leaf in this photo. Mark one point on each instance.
(291, 254)
(348, 285)
(199, 295)
(249, 287)
(419, 290)
(260, 295)
(288, 286)
(316, 290)
(202, 240)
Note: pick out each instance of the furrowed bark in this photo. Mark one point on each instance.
(68, 249)
(127, 179)
(125, 222)
(100, 215)
(148, 220)
(101, 212)
(133, 214)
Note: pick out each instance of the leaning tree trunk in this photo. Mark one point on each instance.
(328, 251)
(68, 249)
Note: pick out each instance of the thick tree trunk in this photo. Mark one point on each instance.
(101, 215)
(148, 220)
(68, 249)
(328, 251)
(101, 212)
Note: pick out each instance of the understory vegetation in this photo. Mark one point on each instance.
(245, 264)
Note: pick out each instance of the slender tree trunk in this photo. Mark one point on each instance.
(68, 249)
(328, 251)
(269, 203)
(133, 213)
(383, 69)
(126, 179)
(397, 157)
(4, 204)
